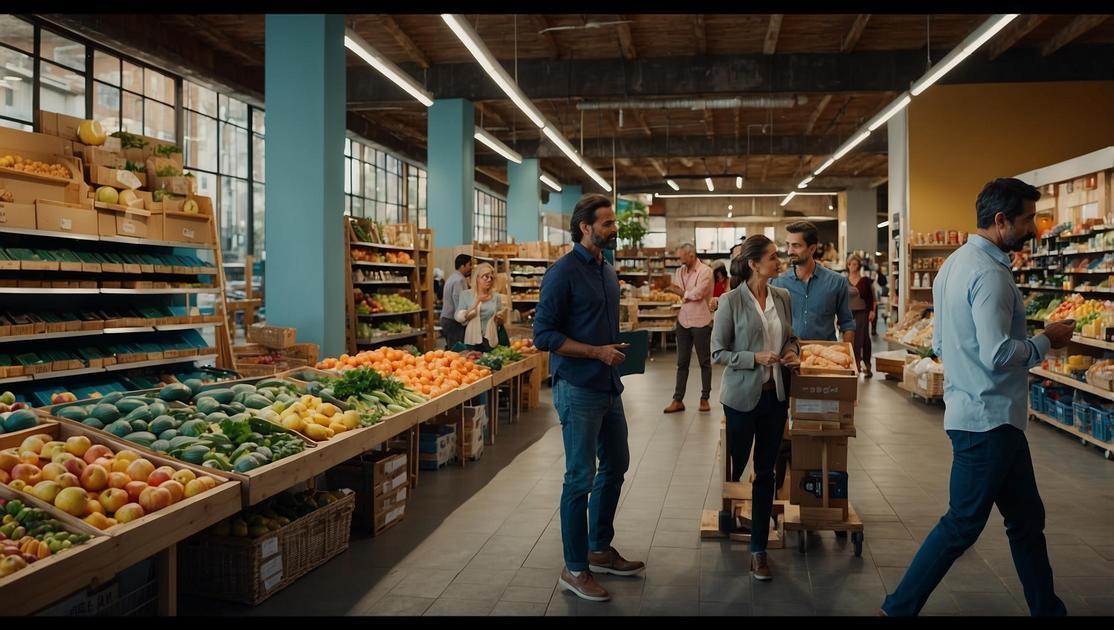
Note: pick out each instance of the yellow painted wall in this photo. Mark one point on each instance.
(962, 136)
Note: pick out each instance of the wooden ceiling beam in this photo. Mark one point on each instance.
(658, 167)
(552, 47)
(488, 113)
(709, 123)
(626, 42)
(854, 33)
(404, 40)
(766, 167)
(641, 120)
(1012, 34)
(769, 46)
(1071, 32)
(700, 34)
(816, 114)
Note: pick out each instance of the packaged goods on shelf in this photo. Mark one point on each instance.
(1101, 374)
(938, 237)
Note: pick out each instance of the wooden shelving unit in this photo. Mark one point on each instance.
(412, 280)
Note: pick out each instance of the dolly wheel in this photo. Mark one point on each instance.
(857, 540)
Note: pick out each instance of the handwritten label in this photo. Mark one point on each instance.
(272, 581)
(270, 546)
(401, 496)
(66, 224)
(817, 406)
(397, 482)
(128, 179)
(3, 215)
(271, 567)
(187, 233)
(394, 464)
(129, 227)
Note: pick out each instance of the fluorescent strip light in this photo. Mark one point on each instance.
(729, 214)
(596, 176)
(804, 183)
(788, 198)
(545, 179)
(559, 140)
(824, 166)
(883, 224)
(851, 144)
(493, 68)
(497, 146)
(708, 181)
(889, 112)
(739, 182)
(356, 44)
(672, 184)
(973, 41)
(715, 195)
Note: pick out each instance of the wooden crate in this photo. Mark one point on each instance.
(249, 570)
(275, 337)
(809, 370)
(377, 480)
(927, 385)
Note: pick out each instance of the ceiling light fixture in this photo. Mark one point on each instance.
(596, 176)
(386, 67)
(889, 112)
(977, 38)
(788, 198)
(824, 166)
(883, 224)
(563, 144)
(849, 145)
(739, 182)
(804, 183)
(729, 214)
(708, 181)
(672, 184)
(548, 181)
(496, 145)
(730, 207)
(494, 69)
(714, 195)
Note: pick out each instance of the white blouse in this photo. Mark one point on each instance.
(771, 328)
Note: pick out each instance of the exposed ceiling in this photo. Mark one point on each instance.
(837, 70)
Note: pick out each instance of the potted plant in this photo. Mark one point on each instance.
(633, 225)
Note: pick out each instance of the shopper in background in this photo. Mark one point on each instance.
(480, 310)
(863, 309)
(980, 335)
(883, 290)
(820, 295)
(753, 338)
(719, 274)
(693, 283)
(577, 321)
(452, 330)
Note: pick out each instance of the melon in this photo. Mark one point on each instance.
(190, 207)
(91, 133)
(108, 194)
(130, 199)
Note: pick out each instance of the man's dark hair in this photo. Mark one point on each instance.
(461, 260)
(585, 212)
(812, 236)
(1006, 195)
(754, 248)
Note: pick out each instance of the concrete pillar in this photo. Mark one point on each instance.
(524, 200)
(451, 153)
(898, 130)
(570, 194)
(862, 221)
(305, 102)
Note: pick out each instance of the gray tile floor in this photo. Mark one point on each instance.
(486, 540)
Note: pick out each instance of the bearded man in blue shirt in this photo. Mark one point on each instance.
(980, 335)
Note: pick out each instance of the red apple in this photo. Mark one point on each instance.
(154, 499)
(118, 480)
(159, 476)
(128, 513)
(75, 466)
(140, 469)
(27, 473)
(95, 452)
(135, 488)
(177, 490)
(94, 478)
(69, 480)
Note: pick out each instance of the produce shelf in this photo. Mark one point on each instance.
(49, 234)
(362, 263)
(1071, 382)
(1084, 253)
(1026, 286)
(138, 364)
(544, 261)
(1094, 343)
(387, 338)
(61, 335)
(527, 273)
(383, 283)
(107, 331)
(124, 331)
(131, 240)
(1070, 428)
(933, 247)
(388, 314)
(188, 326)
(381, 246)
(525, 301)
(524, 285)
(16, 379)
(48, 291)
(186, 291)
(78, 372)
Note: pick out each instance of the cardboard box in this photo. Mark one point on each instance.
(189, 228)
(74, 218)
(114, 220)
(116, 178)
(67, 127)
(100, 156)
(824, 387)
(48, 123)
(387, 502)
(807, 490)
(17, 215)
(389, 518)
(808, 453)
(823, 410)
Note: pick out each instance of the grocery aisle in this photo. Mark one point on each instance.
(486, 539)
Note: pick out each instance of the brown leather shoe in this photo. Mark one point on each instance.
(760, 567)
(583, 586)
(704, 406)
(674, 407)
(611, 562)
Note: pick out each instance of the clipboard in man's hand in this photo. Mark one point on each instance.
(638, 347)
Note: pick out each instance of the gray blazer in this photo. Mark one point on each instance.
(737, 334)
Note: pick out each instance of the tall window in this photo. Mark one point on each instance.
(656, 235)
(416, 185)
(17, 73)
(128, 97)
(718, 240)
(489, 218)
(223, 145)
(373, 183)
(61, 75)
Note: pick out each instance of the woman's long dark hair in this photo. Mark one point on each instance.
(754, 248)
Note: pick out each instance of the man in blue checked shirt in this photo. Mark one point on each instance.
(577, 321)
(980, 336)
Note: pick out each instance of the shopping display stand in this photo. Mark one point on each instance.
(737, 504)
(803, 519)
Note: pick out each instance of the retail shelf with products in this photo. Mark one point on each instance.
(397, 248)
(1073, 430)
(389, 338)
(1094, 343)
(1071, 382)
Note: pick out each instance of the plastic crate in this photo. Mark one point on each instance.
(1061, 410)
(1102, 424)
(1037, 397)
(1081, 414)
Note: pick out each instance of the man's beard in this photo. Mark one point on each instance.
(605, 243)
(1015, 244)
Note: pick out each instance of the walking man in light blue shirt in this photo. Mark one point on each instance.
(980, 336)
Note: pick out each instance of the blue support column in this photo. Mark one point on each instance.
(570, 194)
(524, 200)
(451, 153)
(305, 103)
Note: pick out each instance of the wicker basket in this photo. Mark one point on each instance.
(249, 570)
(277, 337)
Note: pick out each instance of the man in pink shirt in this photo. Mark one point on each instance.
(693, 282)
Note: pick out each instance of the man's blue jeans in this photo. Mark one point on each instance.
(593, 425)
(987, 468)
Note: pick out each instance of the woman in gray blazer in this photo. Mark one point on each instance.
(753, 337)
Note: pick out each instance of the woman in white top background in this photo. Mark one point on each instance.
(480, 309)
(753, 337)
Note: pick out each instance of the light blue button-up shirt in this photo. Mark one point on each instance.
(819, 303)
(979, 333)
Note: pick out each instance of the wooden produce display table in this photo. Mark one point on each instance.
(512, 376)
